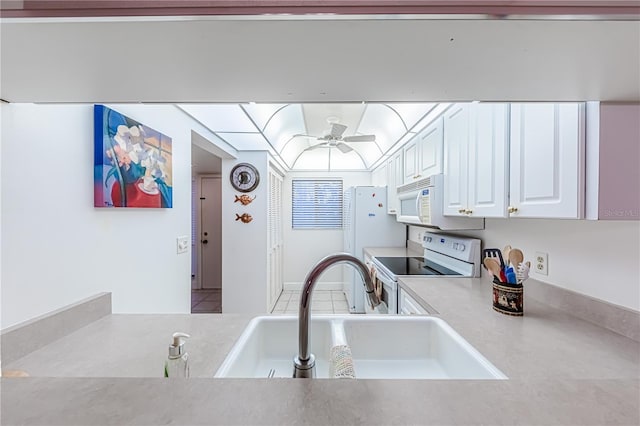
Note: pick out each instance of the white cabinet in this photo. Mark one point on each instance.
(410, 161)
(407, 305)
(430, 141)
(488, 160)
(456, 153)
(547, 160)
(394, 178)
(476, 160)
(423, 154)
(518, 160)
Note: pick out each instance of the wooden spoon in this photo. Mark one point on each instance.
(516, 257)
(492, 266)
(505, 254)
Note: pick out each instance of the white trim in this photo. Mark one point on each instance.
(592, 163)
(198, 209)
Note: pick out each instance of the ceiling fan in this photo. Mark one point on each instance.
(333, 138)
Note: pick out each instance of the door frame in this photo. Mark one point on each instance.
(197, 206)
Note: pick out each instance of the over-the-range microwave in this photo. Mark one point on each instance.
(421, 203)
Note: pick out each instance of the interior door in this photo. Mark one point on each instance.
(210, 233)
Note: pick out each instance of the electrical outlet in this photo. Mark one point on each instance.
(542, 263)
(183, 244)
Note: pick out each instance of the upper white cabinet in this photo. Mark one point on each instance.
(547, 160)
(476, 160)
(456, 154)
(410, 161)
(488, 160)
(517, 160)
(430, 142)
(423, 154)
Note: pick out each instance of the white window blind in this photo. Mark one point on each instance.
(317, 204)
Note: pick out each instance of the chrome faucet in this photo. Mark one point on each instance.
(304, 364)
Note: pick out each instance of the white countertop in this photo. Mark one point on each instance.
(562, 371)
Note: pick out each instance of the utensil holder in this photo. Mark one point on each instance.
(508, 298)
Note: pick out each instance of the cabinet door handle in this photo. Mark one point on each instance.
(468, 211)
(461, 211)
(512, 209)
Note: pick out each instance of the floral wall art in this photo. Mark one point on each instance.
(132, 166)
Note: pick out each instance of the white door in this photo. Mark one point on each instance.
(456, 142)
(210, 233)
(547, 145)
(488, 160)
(430, 142)
(274, 241)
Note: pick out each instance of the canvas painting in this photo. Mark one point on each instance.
(132, 166)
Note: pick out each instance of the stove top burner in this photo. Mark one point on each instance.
(414, 266)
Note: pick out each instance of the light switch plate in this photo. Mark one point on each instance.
(183, 244)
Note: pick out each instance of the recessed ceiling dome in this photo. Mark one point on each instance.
(339, 136)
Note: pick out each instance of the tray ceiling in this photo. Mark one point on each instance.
(293, 133)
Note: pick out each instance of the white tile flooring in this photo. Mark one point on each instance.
(322, 302)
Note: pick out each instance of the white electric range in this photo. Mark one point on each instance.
(444, 256)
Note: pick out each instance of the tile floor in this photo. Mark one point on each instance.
(324, 302)
(206, 301)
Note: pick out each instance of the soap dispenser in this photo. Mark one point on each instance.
(177, 365)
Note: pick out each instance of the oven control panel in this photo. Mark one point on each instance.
(465, 249)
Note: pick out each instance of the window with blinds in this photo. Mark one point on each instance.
(316, 204)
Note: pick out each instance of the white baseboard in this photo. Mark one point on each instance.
(297, 286)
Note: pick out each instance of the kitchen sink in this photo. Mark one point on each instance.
(383, 347)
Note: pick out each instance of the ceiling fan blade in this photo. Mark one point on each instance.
(300, 135)
(337, 130)
(360, 138)
(344, 147)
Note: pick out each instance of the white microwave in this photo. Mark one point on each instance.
(421, 203)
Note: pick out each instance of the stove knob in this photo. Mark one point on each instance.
(461, 247)
(455, 246)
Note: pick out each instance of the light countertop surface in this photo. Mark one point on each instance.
(562, 371)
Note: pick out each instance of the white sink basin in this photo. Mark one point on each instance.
(383, 347)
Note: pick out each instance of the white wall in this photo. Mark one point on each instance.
(303, 248)
(56, 247)
(600, 259)
(244, 253)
